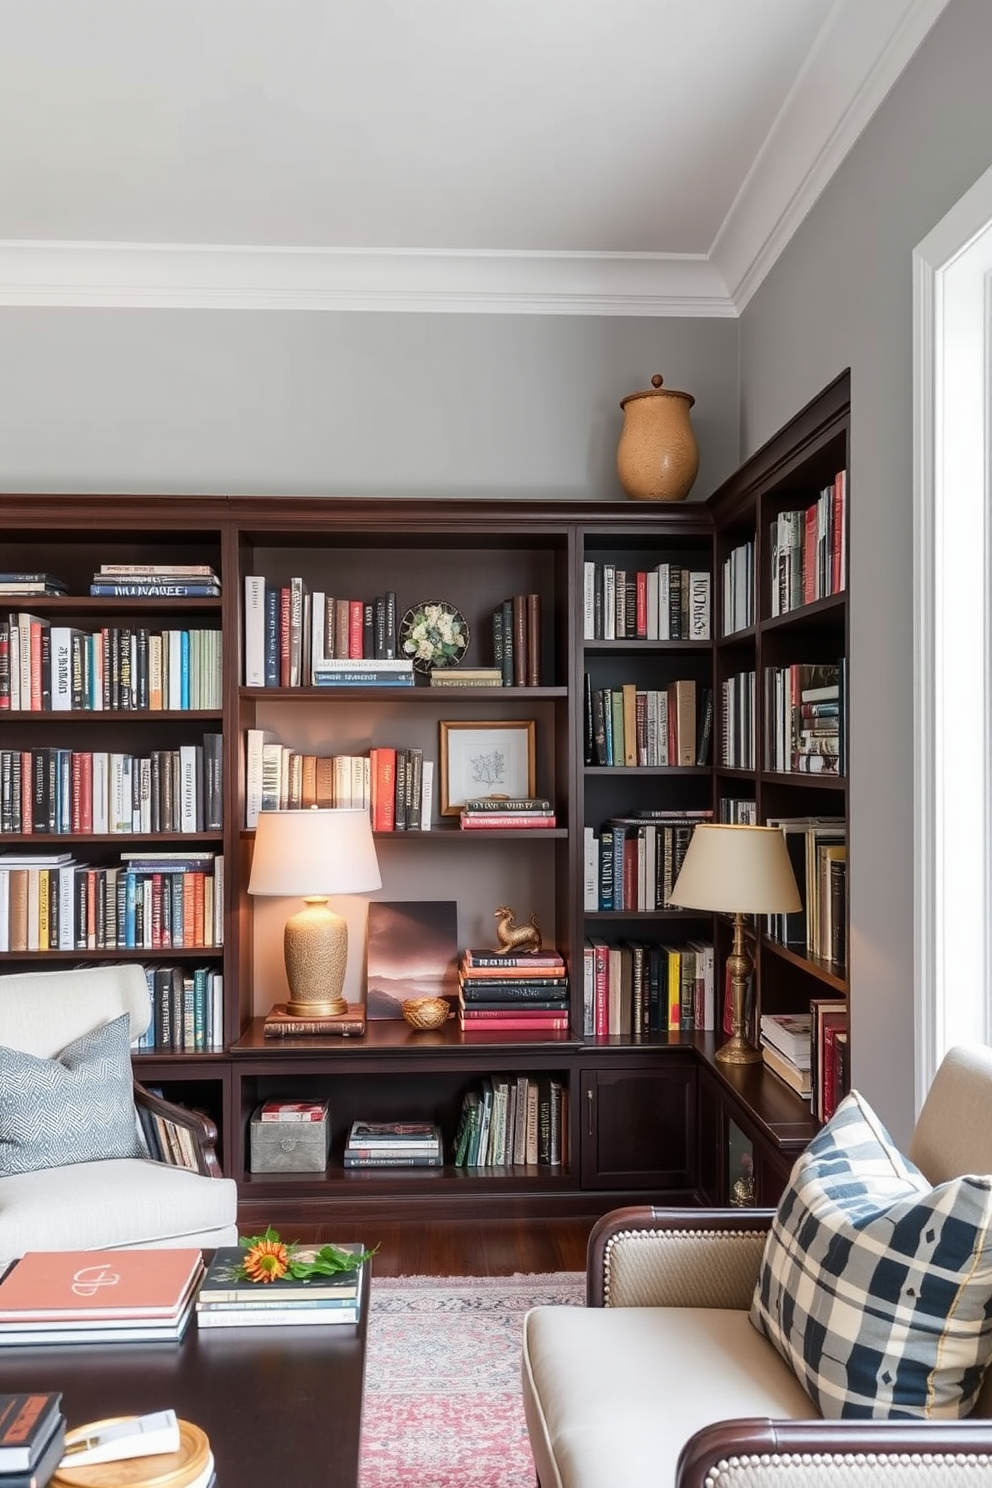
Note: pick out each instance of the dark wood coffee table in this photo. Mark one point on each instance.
(280, 1405)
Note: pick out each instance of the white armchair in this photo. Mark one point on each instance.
(107, 1201)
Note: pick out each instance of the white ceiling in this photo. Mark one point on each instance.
(598, 156)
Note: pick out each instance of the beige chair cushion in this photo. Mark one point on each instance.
(121, 1201)
(612, 1395)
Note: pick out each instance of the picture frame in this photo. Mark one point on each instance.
(486, 758)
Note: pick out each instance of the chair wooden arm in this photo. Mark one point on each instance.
(646, 1257)
(804, 1454)
(187, 1138)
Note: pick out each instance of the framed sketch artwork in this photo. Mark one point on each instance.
(486, 759)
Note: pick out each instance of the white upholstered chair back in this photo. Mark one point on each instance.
(42, 1011)
(953, 1133)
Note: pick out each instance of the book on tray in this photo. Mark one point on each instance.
(111, 1296)
(399, 1144)
(226, 1300)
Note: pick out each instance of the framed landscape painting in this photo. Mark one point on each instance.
(486, 759)
(412, 952)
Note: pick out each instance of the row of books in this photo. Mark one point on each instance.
(737, 733)
(394, 1144)
(146, 902)
(516, 630)
(809, 1052)
(513, 1121)
(664, 603)
(738, 588)
(227, 1300)
(525, 992)
(817, 847)
(187, 1010)
(632, 862)
(293, 634)
(120, 668)
(633, 988)
(156, 581)
(804, 718)
(396, 784)
(32, 1437)
(628, 725)
(81, 792)
(808, 550)
(501, 813)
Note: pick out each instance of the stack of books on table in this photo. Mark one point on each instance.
(517, 992)
(394, 1144)
(32, 1438)
(496, 813)
(785, 1048)
(156, 580)
(229, 1301)
(106, 1296)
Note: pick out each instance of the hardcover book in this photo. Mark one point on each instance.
(112, 1285)
(26, 1423)
(222, 1286)
(281, 1023)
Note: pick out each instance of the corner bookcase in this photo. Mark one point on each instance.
(647, 1115)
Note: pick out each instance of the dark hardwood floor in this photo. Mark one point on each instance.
(470, 1247)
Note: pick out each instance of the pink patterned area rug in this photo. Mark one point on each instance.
(443, 1405)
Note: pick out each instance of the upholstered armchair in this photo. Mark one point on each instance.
(663, 1379)
(75, 1169)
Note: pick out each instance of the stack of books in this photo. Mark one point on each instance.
(394, 1144)
(466, 677)
(519, 992)
(228, 1301)
(110, 1296)
(32, 1438)
(24, 583)
(499, 813)
(359, 672)
(156, 581)
(785, 1048)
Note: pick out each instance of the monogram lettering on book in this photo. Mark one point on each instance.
(87, 1281)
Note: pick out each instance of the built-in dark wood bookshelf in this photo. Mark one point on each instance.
(648, 1116)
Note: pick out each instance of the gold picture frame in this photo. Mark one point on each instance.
(495, 757)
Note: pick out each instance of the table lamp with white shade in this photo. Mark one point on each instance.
(737, 870)
(311, 855)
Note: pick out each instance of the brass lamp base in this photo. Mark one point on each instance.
(738, 1049)
(315, 944)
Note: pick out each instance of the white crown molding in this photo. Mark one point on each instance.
(860, 52)
(184, 276)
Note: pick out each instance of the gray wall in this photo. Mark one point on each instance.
(841, 295)
(457, 406)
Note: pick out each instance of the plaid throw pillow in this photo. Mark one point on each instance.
(876, 1288)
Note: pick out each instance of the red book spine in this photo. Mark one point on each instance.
(156, 911)
(285, 607)
(642, 605)
(384, 790)
(91, 909)
(500, 821)
(838, 532)
(356, 629)
(629, 872)
(809, 556)
(199, 881)
(187, 939)
(86, 792)
(549, 1023)
(35, 666)
(5, 667)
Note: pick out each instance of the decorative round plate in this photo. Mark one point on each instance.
(433, 634)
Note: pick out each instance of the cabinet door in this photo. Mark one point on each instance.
(637, 1128)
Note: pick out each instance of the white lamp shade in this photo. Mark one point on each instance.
(737, 869)
(309, 853)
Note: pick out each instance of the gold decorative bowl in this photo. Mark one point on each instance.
(426, 1012)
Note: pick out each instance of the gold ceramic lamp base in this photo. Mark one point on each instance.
(737, 1049)
(316, 950)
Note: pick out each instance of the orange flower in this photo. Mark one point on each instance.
(267, 1260)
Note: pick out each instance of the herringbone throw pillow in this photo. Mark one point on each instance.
(78, 1107)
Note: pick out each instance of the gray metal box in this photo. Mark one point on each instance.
(289, 1146)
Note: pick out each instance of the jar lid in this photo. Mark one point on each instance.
(657, 391)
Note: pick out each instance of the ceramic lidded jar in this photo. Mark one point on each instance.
(657, 457)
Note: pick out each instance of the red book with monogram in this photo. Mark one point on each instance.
(66, 1285)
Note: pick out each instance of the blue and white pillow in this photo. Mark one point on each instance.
(78, 1107)
(875, 1287)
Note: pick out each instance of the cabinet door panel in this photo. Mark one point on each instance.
(637, 1128)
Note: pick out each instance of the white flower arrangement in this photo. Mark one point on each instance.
(434, 635)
